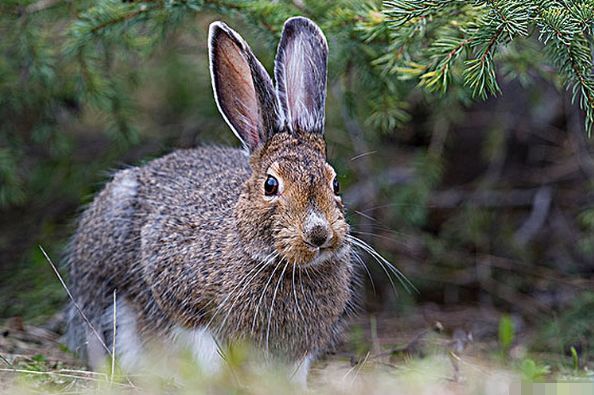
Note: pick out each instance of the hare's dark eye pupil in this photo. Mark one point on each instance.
(271, 186)
(336, 186)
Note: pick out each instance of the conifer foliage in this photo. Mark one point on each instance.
(436, 41)
(464, 39)
(64, 55)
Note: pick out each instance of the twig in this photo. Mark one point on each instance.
(412, 347)
(359, 156)
(537, 217)
(86, 372)
(360, 193)
(5, 360)
(299, 4)
(355, 365)
(74, 302)
(41, 5)
(72, 376)
(359, 367)
(491, 45)
(455, 360)
(373, 330)
(123, 18)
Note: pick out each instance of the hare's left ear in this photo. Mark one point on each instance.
(243, 89)
(300, 73)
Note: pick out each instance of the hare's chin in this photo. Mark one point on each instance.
(324, 255)
(320, 257)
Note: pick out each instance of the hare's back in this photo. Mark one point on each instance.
(209, 178)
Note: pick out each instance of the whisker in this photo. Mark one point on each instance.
(382, 227)
(306, 270)
(281, 277)
(262, 296)
(243, 278)
(362, 263)
(407, 205)
(301, 286)
(381, 265)
(295, 293)
(364, 215)
(380, 236)
(261, 266)
(406, 283)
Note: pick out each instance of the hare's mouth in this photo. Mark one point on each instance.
(307, 255)
(321, 256)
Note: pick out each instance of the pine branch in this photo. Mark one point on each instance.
(480, 73)
(487, 26)
(123, 18)
(402, 11)
(437, 79)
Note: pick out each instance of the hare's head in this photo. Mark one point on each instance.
(290, 207)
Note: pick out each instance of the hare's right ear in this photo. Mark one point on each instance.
(242, 88)
(300, 74)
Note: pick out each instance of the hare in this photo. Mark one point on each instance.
(215, 245)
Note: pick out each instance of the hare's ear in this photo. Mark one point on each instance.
(300, 74)
(243, 89)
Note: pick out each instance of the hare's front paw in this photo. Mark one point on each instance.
(203, 347)
(301, 370)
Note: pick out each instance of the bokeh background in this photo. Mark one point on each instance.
(480, 194)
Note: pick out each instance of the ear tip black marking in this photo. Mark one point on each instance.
(300, 21)
(219, 27)
(298, 24)
(214, 30)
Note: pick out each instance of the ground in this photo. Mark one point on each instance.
(427, 350)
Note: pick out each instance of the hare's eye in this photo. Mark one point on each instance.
(336, 186)
(271, 186)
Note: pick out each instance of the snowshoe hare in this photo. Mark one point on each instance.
(215, 245)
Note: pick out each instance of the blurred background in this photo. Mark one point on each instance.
(461, 142)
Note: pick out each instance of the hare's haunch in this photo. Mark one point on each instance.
(215, 245)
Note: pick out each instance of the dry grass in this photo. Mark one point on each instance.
(383, 356)
(436, 374)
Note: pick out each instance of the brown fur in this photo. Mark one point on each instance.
(185, 241)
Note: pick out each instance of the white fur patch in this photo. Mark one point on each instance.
(323, 256)
(301, 370)
(129, 349)
(95, 352)
(203, 346)
(313, 219)
(125, 186)
(132, 355)
(320, 258)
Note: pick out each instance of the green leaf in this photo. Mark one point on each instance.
(575, 358)
(506, 333)
(532, 371)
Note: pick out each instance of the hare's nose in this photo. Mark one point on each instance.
(316, 230)
(318, 236)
